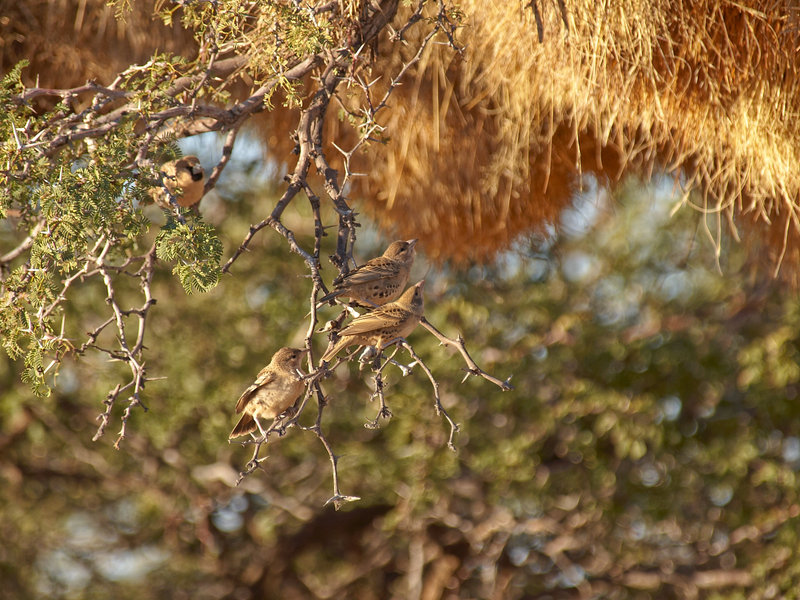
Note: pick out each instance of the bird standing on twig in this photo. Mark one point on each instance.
(277, 387)
(184, 179)
(380, 280)
(384, 324)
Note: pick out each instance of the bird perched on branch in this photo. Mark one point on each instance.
(276, 388)
(379, 280)
(183, 178)
(384, 324)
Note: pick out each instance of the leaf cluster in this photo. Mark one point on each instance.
(196, 251)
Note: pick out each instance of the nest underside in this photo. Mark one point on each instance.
(492, 143)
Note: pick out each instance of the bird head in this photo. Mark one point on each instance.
(188, 167)
(412, 298)
(184, 179)
(289, 358)
(402, 251)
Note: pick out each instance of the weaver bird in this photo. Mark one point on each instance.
(384, 324)
(277, 387)
(183, 178)
(380, 280)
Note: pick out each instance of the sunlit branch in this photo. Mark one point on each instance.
(278, 425)
(23, 246)
(227, 151)
(383, 409)
(440, 410)
(127, 354)
(472, 367)
(338, 499)
(105, 416)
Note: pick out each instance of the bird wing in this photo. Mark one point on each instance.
(377, 319)
(264, 377)
(374, 270)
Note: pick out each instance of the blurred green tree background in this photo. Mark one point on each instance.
(650, 448)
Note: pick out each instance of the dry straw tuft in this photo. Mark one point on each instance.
(491, 144)
(71, 41)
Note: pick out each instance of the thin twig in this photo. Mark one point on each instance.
(23, 246)
(472, 367)
(338, 499)
(227, 151)
(383, 409)
(440, 410)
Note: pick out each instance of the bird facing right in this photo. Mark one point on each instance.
(380, 326)
(380, 280)
(277, 387)
(185, 174)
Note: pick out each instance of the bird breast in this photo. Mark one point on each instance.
(269, 401)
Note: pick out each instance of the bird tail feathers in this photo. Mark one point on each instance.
(246, 424)
(328, 297)
(335, 348)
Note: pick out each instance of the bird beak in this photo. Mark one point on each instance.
(412, 243)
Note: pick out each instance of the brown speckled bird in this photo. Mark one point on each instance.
(384, 324)
(276, 388)
(185, 174)
(380, 280)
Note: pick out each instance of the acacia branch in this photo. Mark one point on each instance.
(309, 136)
(254, 463)
(338, 499)
(440, 410)
(227, 151)
(194, 118)
(125, 353)
(370, 124)
(383, 409)
(472, 366)
(23, 246)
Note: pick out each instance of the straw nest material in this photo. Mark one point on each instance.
(491, 144)
(71, 41)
